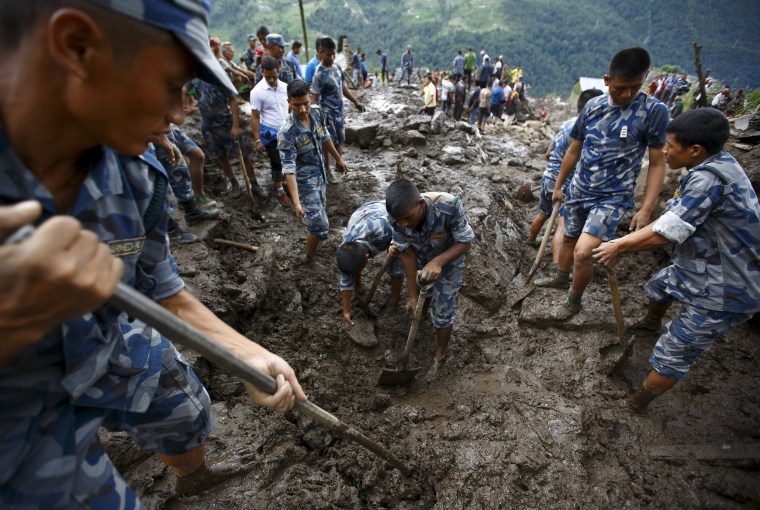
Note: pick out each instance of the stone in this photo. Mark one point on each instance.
(516, 161)
(413, 138)
(411, 153)
(465, 126)
(361, 134)
(415, 121)
(524, 193)
(536, 164)
(438, 122)
(451, 155)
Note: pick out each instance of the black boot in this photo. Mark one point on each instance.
(178, 235)
(652, 321)
(194, 214)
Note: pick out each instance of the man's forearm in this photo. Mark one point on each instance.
(454, 252)
(409, 263)
(235, 112)
(187, 307)
(641, 240)
(256, 124)
(655, 176)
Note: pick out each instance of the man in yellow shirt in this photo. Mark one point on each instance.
(428, 93)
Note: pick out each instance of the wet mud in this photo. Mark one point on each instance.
(524, 413)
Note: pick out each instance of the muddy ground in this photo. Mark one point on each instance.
(524, 414)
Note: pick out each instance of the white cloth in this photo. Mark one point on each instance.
(673, 228)
(272, 104)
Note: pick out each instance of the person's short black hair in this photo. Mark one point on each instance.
(629, 63)
(401, 195)
(269, 63)
(298, 88)
(262, 31)
(296, 45)
(328, 44)
(350, 257)
(586, 96)
(707, 127)
(379, 52)
(318, 44)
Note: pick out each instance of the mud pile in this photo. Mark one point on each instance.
(524, 414)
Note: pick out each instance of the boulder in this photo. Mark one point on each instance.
(438, 122)
(361, 133)
(415, 121)
(466, 127)
(524, 193)
(413, 138)
(451, 155)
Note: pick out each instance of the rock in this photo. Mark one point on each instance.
(494, 160)
(451, 155)
(536, 164)
(414, 138)
(438, 122)
(524, 193)
(415, 121)
(361, 134)
(516, 162)
(465, 126)
(411, 153)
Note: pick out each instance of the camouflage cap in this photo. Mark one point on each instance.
(187, 20)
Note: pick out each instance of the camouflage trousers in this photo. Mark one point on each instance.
(218, 142)
(68, 467)
(179, 176)
(444, 297)
(690, 334)
(592, 216)
(312, 191)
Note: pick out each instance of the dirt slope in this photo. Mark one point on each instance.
(524, 414)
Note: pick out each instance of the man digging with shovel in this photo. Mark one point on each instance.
(107, 76)
(713, 222)
(431, 232)
(368, 233)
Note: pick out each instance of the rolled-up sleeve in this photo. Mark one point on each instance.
(461, 230)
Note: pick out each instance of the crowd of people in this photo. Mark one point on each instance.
(124, 80)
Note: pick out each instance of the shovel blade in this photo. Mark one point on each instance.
(398, 376)
(362, 332)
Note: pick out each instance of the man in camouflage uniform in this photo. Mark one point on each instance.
(432, 233)
(276, 45)
(713, 221)
(68, 363)
(302, 141)
(220, 127)
(368, 233)
(555, 153)
(407, 64)
(327, 90)
(609, 139)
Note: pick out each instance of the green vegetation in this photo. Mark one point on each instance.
(752, 101)
(555, 41)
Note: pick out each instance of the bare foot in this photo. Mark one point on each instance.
(215, 470)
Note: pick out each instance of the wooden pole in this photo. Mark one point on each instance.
(698, 63)
(303, 26)
(242, 246)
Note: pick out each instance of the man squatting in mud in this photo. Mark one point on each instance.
(108, 75)
(368, 233)
(302, 141)
(609, 138)
(431, 232)
(713, 222)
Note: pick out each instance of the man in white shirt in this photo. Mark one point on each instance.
(269, 109)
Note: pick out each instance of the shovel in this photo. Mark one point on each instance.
(544, 241)
(138, 305)
(403, 374)
(248, 188)
(363, 330)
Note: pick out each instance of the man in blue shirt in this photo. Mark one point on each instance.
(457, 65)
(313, 63)
(68, 363)
(610, 138)
(292, 56)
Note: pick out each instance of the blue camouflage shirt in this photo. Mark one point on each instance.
(368, 226)
(560, 143)
(101, 359)
(214, 105)
(300, 147)
(328, 83)
(288, 71)
(458, 64)
(445, 224)
(716, 255)
(407, 60)
(615, 139)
